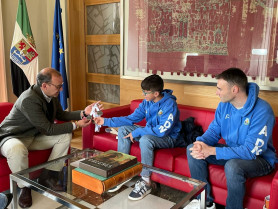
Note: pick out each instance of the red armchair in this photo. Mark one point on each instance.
(35, 157)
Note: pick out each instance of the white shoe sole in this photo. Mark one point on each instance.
(195, 204)
(118, 187)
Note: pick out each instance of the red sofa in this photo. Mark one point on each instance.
(35, 157)
(175, 159)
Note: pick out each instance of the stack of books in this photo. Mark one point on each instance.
(106, 170)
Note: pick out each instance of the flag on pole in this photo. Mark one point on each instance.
(58, 53)
(23, 54)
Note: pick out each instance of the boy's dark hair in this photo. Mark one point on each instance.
(234, 76)
(153, 83)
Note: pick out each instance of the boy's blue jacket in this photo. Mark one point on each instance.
(247, 131)
(162, 117)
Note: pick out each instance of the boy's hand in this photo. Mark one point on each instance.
(99, 120)
(130, 137)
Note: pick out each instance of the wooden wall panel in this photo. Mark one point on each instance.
(187, 94)
(77, 61)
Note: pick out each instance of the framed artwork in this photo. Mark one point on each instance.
(194, 40)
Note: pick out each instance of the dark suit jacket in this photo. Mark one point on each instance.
(30, 116)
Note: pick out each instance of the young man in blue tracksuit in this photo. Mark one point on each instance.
(245, 122)
(162, 129)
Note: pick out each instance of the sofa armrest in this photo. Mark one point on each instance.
(89, 131)
(5, 108)
(274, 192)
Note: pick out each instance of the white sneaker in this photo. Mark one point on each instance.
(141, 189)
(212, 207)
(195, 204)
(116, 188)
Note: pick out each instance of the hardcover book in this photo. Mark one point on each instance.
(100, 184)
(108, 163)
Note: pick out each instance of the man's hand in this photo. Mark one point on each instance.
(201, 150)
(196, 151)
(130, 137)
(99, 120)
(83, 123)
(88, 109)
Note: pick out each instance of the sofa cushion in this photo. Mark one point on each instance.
(165, 158)
(274, 192)
(181, 165)
(203, 116)
(105, 141)
(259, 187)
(275, 134)
(134, 104)
(5, 169)
(221, 195)
(217, 176)
(135, 150)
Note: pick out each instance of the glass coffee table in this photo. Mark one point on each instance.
(75, 196)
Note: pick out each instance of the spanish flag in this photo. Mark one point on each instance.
(23, 54)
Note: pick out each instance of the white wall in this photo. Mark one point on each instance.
(41, 15)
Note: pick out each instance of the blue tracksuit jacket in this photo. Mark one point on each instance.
(247, 131)
(162, 117)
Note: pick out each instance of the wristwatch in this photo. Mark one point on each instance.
(84, 114)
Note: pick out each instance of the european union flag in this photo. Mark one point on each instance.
(58, 53)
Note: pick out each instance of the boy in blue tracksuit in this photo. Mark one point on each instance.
(245, 122)
(162, 129)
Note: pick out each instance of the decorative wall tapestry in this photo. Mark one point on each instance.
(194, 40)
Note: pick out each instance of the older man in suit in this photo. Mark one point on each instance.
(30, 126)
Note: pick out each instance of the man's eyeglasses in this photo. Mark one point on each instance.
(57, 86)
(146, 93)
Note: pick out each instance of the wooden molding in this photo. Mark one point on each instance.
(103, 78)
(106, 105)
(113, 39)
(95, 2)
